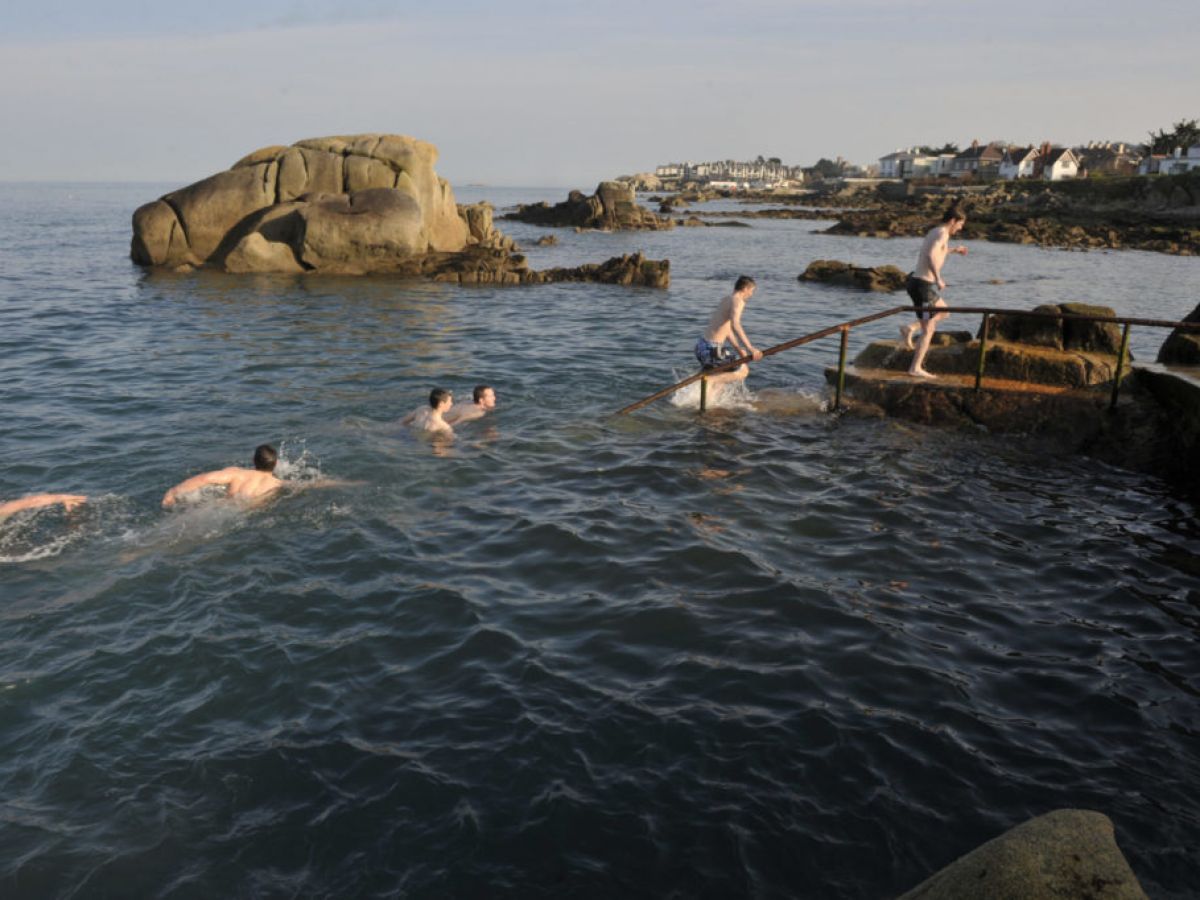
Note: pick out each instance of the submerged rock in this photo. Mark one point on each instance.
(1065, 853)
(613, 207)
(882, 279)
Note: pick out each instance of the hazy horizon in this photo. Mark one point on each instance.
(566, 95)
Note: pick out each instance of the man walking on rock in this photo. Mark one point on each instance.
(925, 286)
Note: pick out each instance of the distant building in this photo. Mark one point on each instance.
(1058, 163)
(1018, 162)
(759, 174)
(1108, 158)
(1180, 162)
(907, 164)
(981, 160)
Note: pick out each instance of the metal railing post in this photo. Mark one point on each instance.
(982, 353)
(1120, 365)
(841, 381)
(703, 393)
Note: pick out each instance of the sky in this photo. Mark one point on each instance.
(564, 93)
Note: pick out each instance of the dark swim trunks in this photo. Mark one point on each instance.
(923, 293)
(712, 355)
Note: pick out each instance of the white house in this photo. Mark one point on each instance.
(1018, 162)
(907, 164)
(1059, 163)
(1179, 162)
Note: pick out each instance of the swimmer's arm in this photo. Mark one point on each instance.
(408, 420)
(37, 501)
(737, 335)
(195, 483)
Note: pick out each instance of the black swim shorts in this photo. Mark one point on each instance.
(923, 293)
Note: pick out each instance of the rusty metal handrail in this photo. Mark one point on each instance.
(844, 329)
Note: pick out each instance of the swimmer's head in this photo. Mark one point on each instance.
(744, 282)
(439, 396)
(265, 458)
(484, 396)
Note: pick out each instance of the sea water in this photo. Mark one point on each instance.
(769, 651)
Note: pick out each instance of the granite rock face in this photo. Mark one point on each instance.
(1065, 853)
(613, 207)
(1182, 348)
(881, 279)
(347, 204)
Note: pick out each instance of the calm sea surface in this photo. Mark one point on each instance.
(762, 653)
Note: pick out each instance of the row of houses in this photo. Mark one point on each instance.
(732, 173)
(1046, 162)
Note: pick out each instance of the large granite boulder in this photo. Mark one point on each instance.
(349, 204)
(613, 207)
(1182, 348)
(882, 279)
(1065, 853)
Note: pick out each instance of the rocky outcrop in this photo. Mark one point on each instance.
(485, 266)
(882, 279)
(1065, 853)
(1182, 348)
(354, 205)
(613, 207)
(348, 204)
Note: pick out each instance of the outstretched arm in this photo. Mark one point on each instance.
(220, 477)
(738, 336)
(37, 501)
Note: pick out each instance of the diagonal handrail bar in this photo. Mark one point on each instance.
(770, 351)
(895, 310)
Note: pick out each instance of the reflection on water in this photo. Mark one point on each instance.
(564, 653)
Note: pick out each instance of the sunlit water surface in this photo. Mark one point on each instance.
(766, 652)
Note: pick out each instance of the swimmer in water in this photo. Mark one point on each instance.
(40, 501)
(431, 418)
(240, 484)
(483, 401)
(725, 324)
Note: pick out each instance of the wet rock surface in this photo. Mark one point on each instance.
(1064, 853)
(1182, 348)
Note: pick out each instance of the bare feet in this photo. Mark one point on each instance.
(906, 337)
(921, 373)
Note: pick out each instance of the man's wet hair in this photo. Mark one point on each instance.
(743, 282)
(436, 396)
(953, 212)
(265, 458)
(480, 390)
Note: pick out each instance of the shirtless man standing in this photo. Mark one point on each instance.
(431, 418)
(239, 483)
(483, 401)
(726, 325)
(925, 286)
(38, 501)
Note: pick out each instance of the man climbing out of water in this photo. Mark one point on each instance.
(925, 285)
(483, 401)
(39, 501)
(726, 324)
(431, 418)
(239, 483)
